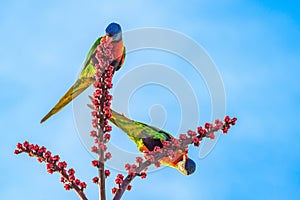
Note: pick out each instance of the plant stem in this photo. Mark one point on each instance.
(128, 180)
(101, 183)
(78, 191)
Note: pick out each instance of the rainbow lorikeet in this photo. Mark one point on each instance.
(86, 77)
(147, 137)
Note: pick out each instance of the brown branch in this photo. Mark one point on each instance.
(74, 186)
(53, 165)
(129, 178)
(101, 183)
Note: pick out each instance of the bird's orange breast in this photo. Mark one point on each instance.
(117, 49)
(173, 162)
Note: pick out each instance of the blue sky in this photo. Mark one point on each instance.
(255, 45)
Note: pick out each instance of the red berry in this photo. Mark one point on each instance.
(55, 158)
(127, 166)
(107, 127)
(143, 175)
(26, 144)
(67, 187)
(165, 143)
(108, 155)
(95, 180)
(225, 130)
(139, 159)
(114, 190)
(107, 136)
(94, 149)
(97, 84)
(191, 133)
(132, 172)
(233, 120)
(82, 185)
(72, 177)
(120, 176)
(95, 163)
(107, 172)
(71, 171)
(19, 145)
(129, 187)
(109, 97)
(133, 166)
(93, 133)
(227, 119)
(118, 181)
(207, 125)
(182, 136)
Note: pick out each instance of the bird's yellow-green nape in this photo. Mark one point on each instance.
(147, 137)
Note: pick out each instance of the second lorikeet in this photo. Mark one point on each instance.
(86, 77)
(146, 137)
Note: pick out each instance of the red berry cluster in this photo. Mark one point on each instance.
(132, 172)
(209, 129)
(119, 180)
(53, 164)
(101, 101)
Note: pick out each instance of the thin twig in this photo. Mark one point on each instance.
(158, 156)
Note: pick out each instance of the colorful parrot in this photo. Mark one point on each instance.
(86, 77)
(147, 137)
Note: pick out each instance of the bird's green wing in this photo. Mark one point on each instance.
(160, 134)
(88, 70)
(141, 134)
(92, 51)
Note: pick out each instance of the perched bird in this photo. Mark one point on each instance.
(147, 137)
(86, 77)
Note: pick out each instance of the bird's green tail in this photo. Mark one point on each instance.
(119, 120)
(79, 86)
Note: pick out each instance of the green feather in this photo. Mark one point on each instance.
(138, 132)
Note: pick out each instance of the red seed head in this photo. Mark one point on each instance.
(120, 176)
(114, 190)
(143, 175)
(77, 181)
(139, 159)
(67, 187)
(129, 187)
(82, 185)
(95, 180)
(95, 163)
(106, 172)
(227, 119)
(108, 155)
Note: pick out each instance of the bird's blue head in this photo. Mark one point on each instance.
(190, 166)
(114, 30)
